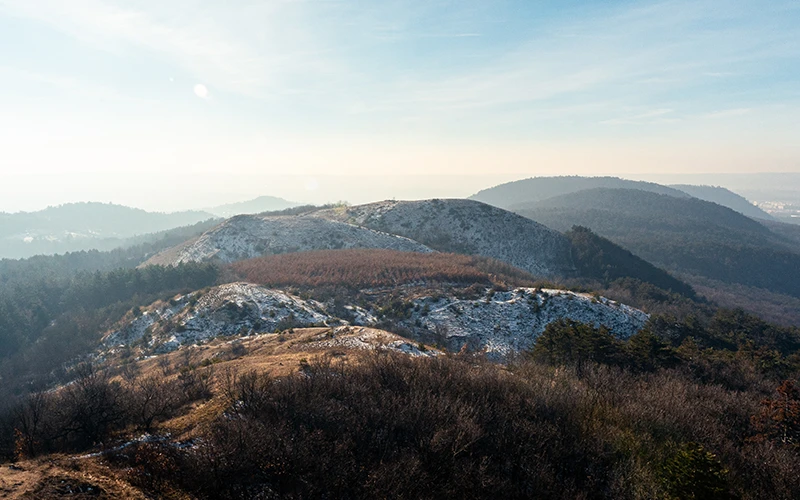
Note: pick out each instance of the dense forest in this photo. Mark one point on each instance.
(47, 322)
(599, 259)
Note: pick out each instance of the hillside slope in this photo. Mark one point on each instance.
(248, 236)
(685, 235)
(469, 227)
(600, 259)
(540, 188)
(726, 198)
(499, 322)
(508, 322)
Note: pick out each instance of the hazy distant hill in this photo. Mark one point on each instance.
(469, 227)
(686, 235)
(539, 188)
(83, 226)
(726, 198)
(256, 206)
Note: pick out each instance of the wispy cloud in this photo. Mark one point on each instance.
(69, 85)
(641, 57)
(727, 113)
(248, 52)
(365, 59)
(648, 117)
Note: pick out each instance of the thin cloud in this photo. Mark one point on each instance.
(198, 36)
(648, 117)
(726, 113)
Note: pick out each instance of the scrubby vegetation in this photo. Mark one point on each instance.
(96, 406)
(392, 426)
(681, 410)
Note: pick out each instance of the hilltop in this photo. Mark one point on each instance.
(450, 226)
(468, 227)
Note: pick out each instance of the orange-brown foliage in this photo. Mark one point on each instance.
(374, 268)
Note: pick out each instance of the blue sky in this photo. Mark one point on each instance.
(187, 102)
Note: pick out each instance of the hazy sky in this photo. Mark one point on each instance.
(165, 104)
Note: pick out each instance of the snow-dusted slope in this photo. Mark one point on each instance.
(499, 322)
(465, 226)
(248, 236)
(368, 339)
(225, 310)
(507, 322)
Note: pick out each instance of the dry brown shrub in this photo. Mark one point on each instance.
(367, 268)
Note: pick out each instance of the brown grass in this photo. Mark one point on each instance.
(277, 355)
(59, 476)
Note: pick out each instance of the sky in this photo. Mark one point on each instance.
(176, 104)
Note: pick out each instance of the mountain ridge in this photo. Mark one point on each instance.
(466, 226)
(534, 189)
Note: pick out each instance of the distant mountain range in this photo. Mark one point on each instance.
(104, 226)
(700, 233)
(514, 193)
(687, 235)
(83, 226)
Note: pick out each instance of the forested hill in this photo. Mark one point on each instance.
(540, 188)
(726, 198)
(600, 259)
(685, 235)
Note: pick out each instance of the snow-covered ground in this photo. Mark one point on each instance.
(459, 226)
(368, 339)
(466, 226)
(249, 236)
(507, 322)
(235, 308)
(499, 322)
